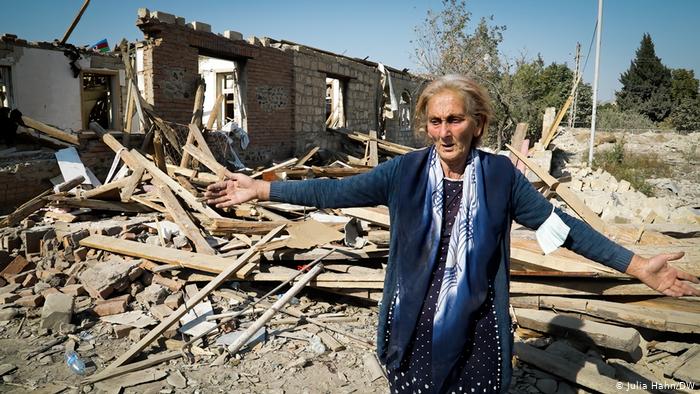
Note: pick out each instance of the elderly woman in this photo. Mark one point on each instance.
(444, 324)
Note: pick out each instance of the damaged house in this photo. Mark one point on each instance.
(276, 99)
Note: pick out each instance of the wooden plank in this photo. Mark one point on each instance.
(564, 192)
(180, 258)
(315, 172)
(373, 158)
(183, 220)
(205, 159)
(74, 22)
(214, 114)
(628, 314)
(375, 215)
(116, 146)
(114, 206)
(276, 167)
(307, 156)
(521, 254)
(189, 199)
(546, 140)
(597, 287)
(624, 339)
(51, 131)
(175, 316)
(227, 225)
(131, 183)
(159, 151)
(198, 110)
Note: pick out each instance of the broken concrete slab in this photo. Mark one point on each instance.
(177, 380)
(136, 319)
(107, 276)
(58, 309)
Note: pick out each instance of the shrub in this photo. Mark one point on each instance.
(610, 117)
(636, 169)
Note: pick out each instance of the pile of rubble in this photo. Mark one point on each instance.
(141, 266)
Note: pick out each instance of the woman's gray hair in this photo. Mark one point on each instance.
(476, 99)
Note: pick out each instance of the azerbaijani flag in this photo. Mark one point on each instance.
(102, 45)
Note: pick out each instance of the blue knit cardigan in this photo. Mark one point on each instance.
(401, 184)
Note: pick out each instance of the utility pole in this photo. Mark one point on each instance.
(572, 110)
(599, 26)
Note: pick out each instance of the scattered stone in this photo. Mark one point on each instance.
(177, 380)
(31, 301)
(105, 277)
(8, 314)
(174, 300)
(547, 386)
(121, 331)
(111, 306)
(153, 294)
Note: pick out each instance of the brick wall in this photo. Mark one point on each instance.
(171, 68)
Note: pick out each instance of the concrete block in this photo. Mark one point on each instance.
(143, 13)
(73, 239)
(180, 21)
(200, 26)
(102, 279)
(161, 311)
(80, 254)
(174, 301)
(58, 309)
(153, 294)
(163, 16)
(233, 35)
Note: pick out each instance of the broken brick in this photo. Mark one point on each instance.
(17, 265)
(31, 301)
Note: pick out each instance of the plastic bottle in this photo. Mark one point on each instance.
(75, 363)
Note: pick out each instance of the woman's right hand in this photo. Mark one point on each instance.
(236, 189)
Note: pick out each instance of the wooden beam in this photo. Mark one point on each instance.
(116, 146)
(131, 183)
(624, 339)
(584, 287)
(180, 258)
(307, 156)
(373, 159)
(375, 215)
(628, 314)
(74, 23)
(207, 160)
(214, 114)
(159, 151)
(196, 299)
(51, 131)
(276, 167)
(113, 206)
(189, 199)
(198, 104)
(183, 220)
(227, 225)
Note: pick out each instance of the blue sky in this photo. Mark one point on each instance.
(383, 30)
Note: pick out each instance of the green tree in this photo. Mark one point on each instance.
(684, 85)
(646, 85)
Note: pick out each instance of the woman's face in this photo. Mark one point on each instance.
(451, 129)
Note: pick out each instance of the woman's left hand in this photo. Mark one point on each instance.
(658, 274)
